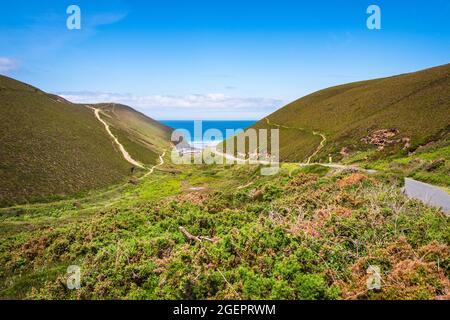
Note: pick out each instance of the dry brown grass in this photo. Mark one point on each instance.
(407, 274)
(351, 179)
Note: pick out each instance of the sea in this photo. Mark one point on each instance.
(199, 140)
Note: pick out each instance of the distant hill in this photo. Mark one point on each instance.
(392, 115)
(50, 147)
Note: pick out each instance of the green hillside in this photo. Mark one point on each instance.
(142, 137)
(411, 109)
(220, 231)
(305, 233)
(51, 148)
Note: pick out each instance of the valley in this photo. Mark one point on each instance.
(53, 149)
(306, 233)
(94, 186)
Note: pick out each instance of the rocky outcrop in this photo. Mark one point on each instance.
(383, 138)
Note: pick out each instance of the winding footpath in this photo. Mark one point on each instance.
(321, 145)
(316, 133)
(266, 162)
(161, 162)
(240, 160)
(124, 152)
(424, 192)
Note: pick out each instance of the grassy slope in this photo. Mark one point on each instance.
(303, 234)
(306, 233)
(51, 148)
(417, 104)
(144, 138)
(430, 163)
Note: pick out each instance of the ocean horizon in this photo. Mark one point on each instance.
(197, 140)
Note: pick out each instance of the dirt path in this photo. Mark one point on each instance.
(161, 162)
(125, 154)
(319, 147)
(316, 133)
(240, 160)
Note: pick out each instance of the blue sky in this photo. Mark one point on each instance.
(216, 59)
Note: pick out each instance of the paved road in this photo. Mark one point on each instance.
(428, 194)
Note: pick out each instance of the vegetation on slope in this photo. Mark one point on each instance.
(414, 106)
(307, 233)
(51, 148)
(143, 137)
(429, 163)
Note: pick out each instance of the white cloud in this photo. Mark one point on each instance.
(7, 65)
(105, 19)
(207, 105)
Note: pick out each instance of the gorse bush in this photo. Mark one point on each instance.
(308, 236)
